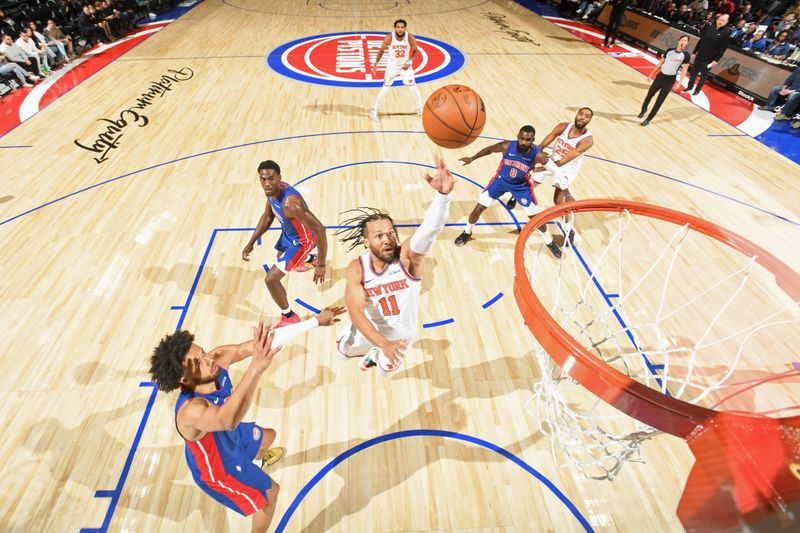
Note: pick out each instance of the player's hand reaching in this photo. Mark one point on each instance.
(319, 273)
(246, 252)
(263, 351)
(327, 316)
(394, 351)
(442, 180)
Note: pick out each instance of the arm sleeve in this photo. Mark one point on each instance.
(552, 166)
(435, 217)
(286, 333)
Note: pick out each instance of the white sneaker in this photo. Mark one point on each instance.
(369, 360)
(27, 85)
(373, 115)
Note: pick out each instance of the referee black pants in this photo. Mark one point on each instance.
(661, 85)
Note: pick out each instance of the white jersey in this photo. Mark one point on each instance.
(565, 145)
(399, 51)
(392, 298)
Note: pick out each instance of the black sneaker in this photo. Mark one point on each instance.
(570, 238)
(555, 249)
(511, 204)
(462, 239)
(641, 115)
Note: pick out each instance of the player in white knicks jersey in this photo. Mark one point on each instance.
(383, 283)
(572, 140)
(401, 48)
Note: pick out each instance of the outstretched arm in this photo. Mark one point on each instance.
(296, 208)
(413, 252)
(502, 146)
(263, 225)
(228, 354)
(199, 417)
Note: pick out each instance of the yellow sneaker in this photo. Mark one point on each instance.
(272, 456)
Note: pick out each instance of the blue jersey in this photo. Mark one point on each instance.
(515, 167)
(221, 461)
(292, 230)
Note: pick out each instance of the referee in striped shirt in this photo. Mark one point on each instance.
(674, 59)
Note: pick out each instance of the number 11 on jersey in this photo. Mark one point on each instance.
(389, 306)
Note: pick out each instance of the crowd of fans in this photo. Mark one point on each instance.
(768, 27)
(38, 37)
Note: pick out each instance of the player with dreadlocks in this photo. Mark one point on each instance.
(383, 283)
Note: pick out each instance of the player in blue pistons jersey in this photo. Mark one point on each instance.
(513, 175)
(301, 232)
(224, 454)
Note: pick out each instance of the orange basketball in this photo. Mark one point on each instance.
(454, 116)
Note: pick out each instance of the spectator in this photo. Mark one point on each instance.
(34, 52)
(683, 14)
(25, 78)
(90, 30)
(780, 48)
(54, 55)
(762, 18)
(748, 33)
(7, 24)
(738, 31)
(757, 43)
(98, 21)
(726, 7)
(54, 34)
(670, 12)
(699, 7)
(791, 90)
(709, 50)
(589, 8)
(745, 13)
(15, 54)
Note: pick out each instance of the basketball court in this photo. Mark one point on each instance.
(126, 202)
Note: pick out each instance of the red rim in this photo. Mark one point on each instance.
(647, 405)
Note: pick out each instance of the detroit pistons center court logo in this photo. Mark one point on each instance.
(340, 59)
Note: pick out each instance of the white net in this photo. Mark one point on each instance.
(669, 307)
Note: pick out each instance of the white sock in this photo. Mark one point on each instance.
(468, 229)
(417, 97)
(287, 310)
(379, 99)
(547, 237)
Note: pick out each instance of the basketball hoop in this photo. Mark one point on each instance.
(657, 334)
